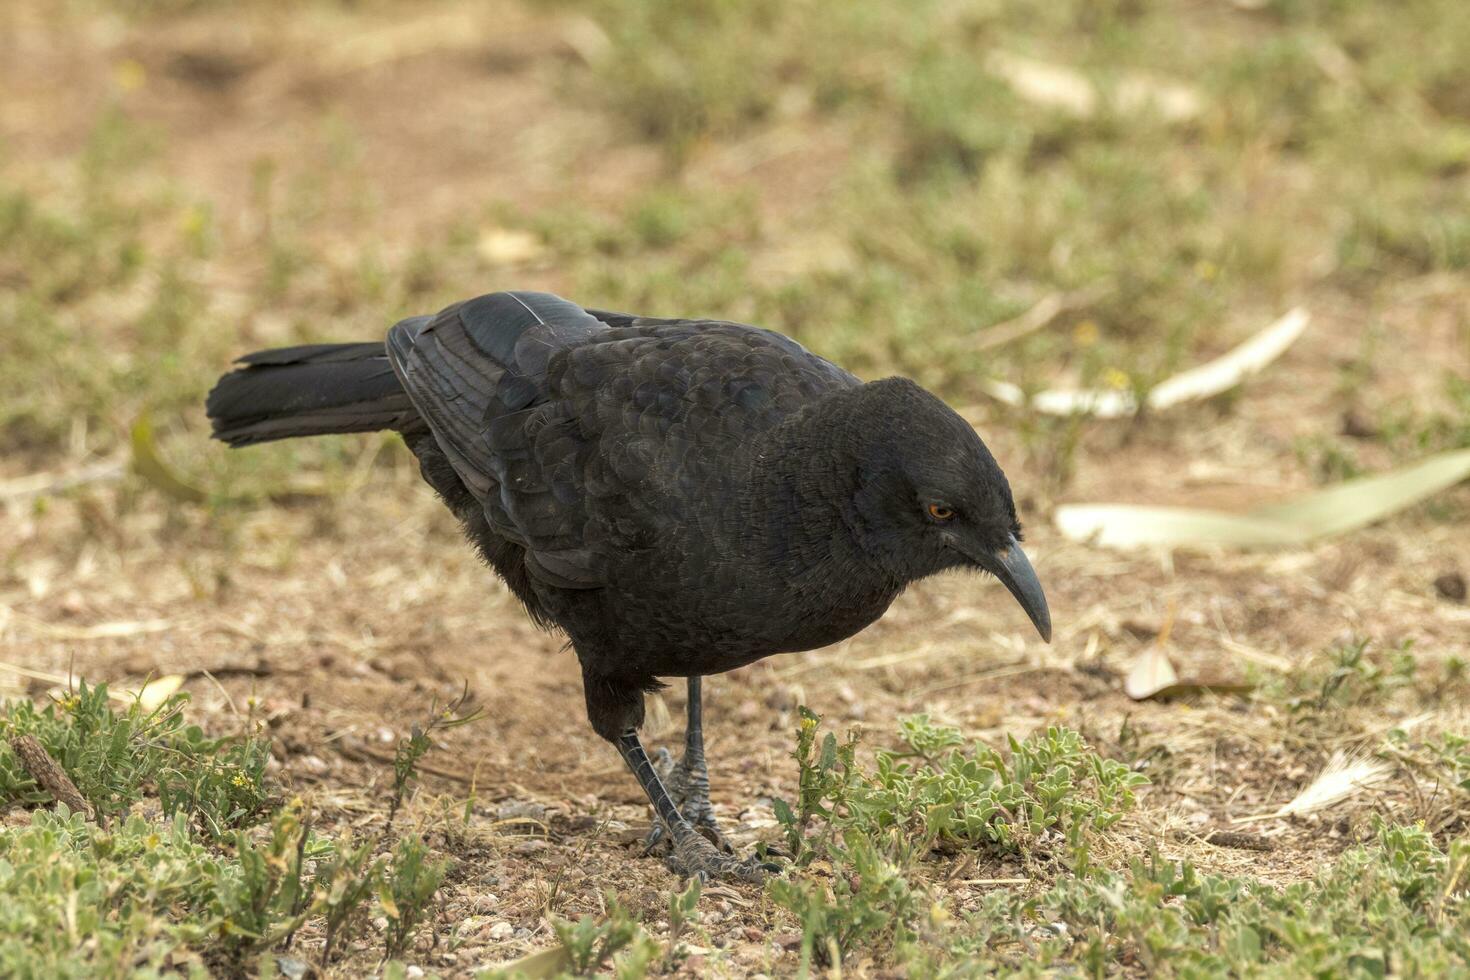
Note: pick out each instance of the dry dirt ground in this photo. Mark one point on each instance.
(339, 621)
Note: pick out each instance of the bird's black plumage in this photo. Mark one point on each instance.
(681, 497)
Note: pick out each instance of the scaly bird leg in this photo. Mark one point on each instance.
(688, 781)
(692, 855)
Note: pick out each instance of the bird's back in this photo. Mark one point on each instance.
(590, 438)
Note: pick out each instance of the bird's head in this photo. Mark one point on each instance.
(930, 496)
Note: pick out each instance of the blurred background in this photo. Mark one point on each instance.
(186, 181)
(1079, 193)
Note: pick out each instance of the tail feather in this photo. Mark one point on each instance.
(318, 389)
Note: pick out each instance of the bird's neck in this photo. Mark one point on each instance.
(807, 471)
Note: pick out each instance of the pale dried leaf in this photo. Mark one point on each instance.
(537, 966)
(1326, 513)
(1151, 673)
(1068, 90)
(152, 695)
(509, 246)
(1229, 370)
(1052, 86)
(1197, 383)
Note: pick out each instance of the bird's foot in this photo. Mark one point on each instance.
(689, 786)
(693, 856)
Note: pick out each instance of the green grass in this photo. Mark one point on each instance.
(223, 876)
(200, 866)
(1398, 903)
(113, 755)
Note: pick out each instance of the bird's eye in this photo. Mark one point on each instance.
(940, 512)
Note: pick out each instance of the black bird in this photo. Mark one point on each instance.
(681, 497)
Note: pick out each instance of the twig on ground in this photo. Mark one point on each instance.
(49, 775)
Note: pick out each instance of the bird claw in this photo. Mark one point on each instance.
(691, 795)
(695, 857)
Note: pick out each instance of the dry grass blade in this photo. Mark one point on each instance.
(1045, 310)
(38, 484)
(1342, 777)
(101, 631)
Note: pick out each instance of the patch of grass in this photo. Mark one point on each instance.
(594, 943)
(1395, 905)
(114, 757)
(873, 827)
(867, 904)
(210, 874)
(409, 885)
(1358, 674)
(943, 791)
(420, 740)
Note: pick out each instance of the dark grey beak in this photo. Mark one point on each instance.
(1016, 573)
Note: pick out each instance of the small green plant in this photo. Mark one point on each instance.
(406, 890)
(420, 740)
(112, 754)
(617, 939)
(265, 895)
(683, 915)
(867, 903)
(825, 776)
(344, 881)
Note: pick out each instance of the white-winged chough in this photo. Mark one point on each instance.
(681, 497)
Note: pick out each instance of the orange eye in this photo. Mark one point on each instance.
(940, 512)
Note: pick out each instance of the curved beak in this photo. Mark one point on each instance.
(1015, 572)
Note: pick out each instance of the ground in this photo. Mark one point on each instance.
(183, 183)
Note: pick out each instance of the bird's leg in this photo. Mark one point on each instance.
(692, 855)
(688, 781)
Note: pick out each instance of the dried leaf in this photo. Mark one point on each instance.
(1064, 88)
(1197, 383)
(537, 966)
(1053, 86)
(152, 695)
(1229, 370)
(1151, 673)
(147, 465)
(509, 246)
(1326, 513)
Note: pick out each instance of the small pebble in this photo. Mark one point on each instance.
(520, 810)
(1451, 586)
